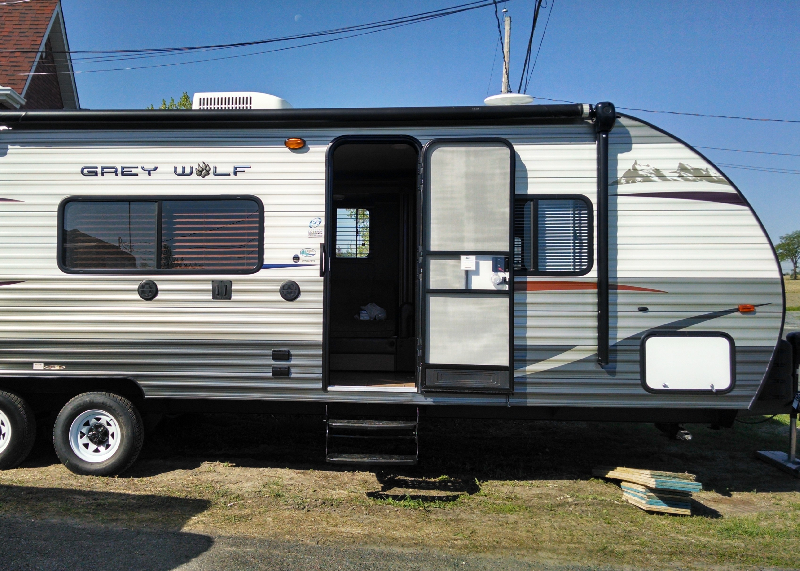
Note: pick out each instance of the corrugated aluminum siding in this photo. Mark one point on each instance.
(704, 256)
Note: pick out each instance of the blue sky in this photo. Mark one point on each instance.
(714, 57)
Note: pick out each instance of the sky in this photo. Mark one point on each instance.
(736, 58)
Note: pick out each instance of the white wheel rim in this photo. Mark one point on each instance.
(94, 436)
(5, 431)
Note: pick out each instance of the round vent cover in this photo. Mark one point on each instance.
(148, 290)
(290, 291)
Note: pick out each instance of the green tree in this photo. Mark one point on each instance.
(788, 250)
(185, 102)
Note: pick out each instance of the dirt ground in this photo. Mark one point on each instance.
(522, 489)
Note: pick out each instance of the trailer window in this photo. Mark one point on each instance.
(553, 235)
(182, 236)
(110, 235)
(352, 233)
(220, 235)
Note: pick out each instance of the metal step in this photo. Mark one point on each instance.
(372, 424)
(373, 459)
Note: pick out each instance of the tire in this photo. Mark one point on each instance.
(17, 430)
(98, 434)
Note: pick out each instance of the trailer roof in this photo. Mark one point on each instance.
(294, 118)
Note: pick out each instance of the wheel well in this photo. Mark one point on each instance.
(51, 394)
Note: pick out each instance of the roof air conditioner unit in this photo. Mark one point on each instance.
(238, 100)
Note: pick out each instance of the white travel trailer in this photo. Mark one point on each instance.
(538, 261)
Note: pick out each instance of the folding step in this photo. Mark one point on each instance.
(373, 459)
(372, 424)
(372, 441)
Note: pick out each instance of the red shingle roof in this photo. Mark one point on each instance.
(22, 29)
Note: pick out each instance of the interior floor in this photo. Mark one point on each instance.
(372, 216)
(372, 379)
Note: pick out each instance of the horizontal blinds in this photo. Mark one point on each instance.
(209, 235)
(562, 235)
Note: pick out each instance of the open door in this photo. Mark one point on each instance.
(466, 309)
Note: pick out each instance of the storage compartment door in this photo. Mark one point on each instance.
(466, 275)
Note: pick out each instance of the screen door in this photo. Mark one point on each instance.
(466, 288)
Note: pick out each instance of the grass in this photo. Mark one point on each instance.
(792, 288)
(515, 488)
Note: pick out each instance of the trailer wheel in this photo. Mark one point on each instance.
(17, 430)
(98, 434)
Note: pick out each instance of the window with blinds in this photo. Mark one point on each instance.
(352, 233)
(210, 236)
(553, 235)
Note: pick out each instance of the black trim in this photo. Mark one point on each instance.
(642, 361)
(605, 117)
(761, 225)
(158, 199)
(424, 253)
(330, 236)
(535, 198)
(294, 119)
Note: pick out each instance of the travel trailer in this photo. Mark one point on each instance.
(373, 266)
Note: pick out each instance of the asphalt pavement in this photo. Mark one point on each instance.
(56, 545)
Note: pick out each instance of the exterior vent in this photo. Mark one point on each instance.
(238, 100)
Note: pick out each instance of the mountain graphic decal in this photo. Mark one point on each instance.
(683, 173)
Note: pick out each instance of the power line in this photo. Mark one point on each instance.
(712, 116)
(413, 18)
(527, 61)
(366, 30)
(541, 41)
(760, 169)
(685, 113)
(744, 151)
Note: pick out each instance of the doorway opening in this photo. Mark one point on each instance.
(371, 287)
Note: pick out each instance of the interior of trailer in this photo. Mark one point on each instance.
(373, 222)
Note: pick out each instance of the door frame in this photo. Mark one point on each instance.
(329, 240)
(422, 290)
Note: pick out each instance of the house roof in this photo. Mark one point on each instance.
(25, 27)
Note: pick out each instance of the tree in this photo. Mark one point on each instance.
(788, 250)
(185, 102)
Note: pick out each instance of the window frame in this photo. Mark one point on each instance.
(60, 258)
(521, 200)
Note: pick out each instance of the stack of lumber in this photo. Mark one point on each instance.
(650, 490)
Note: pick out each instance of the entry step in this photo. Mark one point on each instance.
(372, 424)
(373, 459)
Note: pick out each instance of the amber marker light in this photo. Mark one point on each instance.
(295, 143)
(747, 308)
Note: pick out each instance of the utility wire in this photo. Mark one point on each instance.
(544, 33)
(744, 151)
(527, 61)
(760, 169)
(684, 113)
(413, 18)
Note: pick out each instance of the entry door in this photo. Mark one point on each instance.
(466, 275)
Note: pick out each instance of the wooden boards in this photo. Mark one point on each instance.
(650, 490)
(651, 478)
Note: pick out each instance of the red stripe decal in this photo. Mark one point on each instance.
(572, 286)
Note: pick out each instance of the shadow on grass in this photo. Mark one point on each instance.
(55, 528)
(461, 452)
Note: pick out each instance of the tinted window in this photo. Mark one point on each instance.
(553, 236)
(110, 235)
(190, 235)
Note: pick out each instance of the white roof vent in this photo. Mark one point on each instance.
(238, 100)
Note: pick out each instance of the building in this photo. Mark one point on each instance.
(35, 65)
